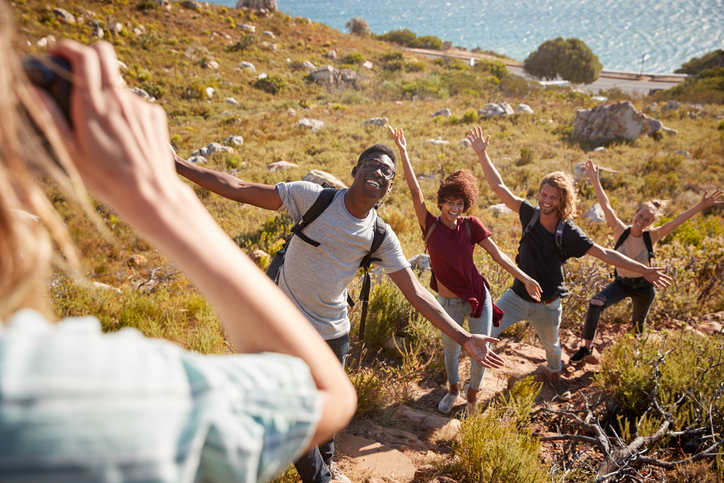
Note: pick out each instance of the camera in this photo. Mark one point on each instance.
(52, 74)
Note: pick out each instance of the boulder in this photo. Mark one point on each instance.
(234, 141)
(313, 124)
(163, 4)
(442, 112)
(246, 28)
(595, 214)
(436, 142)
(270, 46)
(257, 5)
(308, 65)
(280, 165)
(612, 121)
(192, 5)
(231, 101)
(496, 110)
(332, 55)
(268, 33)
(64, 16)
(214, 148)
(524, 108)
(318, 176)
(420, 262)
(671, 106)
(500, 209)
(332, 77)
(247, 65)
(375, 122)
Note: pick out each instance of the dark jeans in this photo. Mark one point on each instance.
(313, 466)
(641, 292)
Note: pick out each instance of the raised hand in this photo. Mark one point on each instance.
(707, 201)
(478, 143)
(477, 347)
(592, 170)
(399, 136)
(657, 276)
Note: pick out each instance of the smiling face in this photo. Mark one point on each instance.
(451, 210)
(643, 219)
(374, 183)
(549, 199)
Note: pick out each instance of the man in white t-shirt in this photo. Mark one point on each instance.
(315, 278)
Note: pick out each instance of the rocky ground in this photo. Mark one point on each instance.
(375, 451)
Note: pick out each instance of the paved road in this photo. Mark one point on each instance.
(629, 82)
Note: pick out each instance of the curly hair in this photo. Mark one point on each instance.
(568, 205)
(656, 207)
(459, 185)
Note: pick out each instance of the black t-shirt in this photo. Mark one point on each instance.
(539, 258)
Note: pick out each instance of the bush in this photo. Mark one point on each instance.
(492, 67)
(699, 64)
(571, 59)
(370, 391)
(353, 58)
(358, 26)
(470, 116)
(402, 37)
(272, 84)
(426, 42)
(526, 156)
(415, 66)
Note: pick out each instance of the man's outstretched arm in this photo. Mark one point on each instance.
(228, 186)
(423, 301)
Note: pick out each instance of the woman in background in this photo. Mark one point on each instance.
(79, 405)
(636, 241)
(462, 290)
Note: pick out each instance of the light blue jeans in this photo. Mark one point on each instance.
(458, 309)
(544, 318)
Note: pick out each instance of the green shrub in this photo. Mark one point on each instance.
(147, 5)
(453, 120)
(495, 68)
(415, 66)
(353, 58)
(470, 116)
(272, 84)
(526, 156)
(402, 37)
(370, 391)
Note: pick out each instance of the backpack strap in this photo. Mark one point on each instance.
(324, 199)
(558, 234)
(649, 245)
(429, 232)
(364, 296)
(623, 237)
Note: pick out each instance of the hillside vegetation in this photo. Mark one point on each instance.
(176, 55)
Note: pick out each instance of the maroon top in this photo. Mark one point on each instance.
(451, 257)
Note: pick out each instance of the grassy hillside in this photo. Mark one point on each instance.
(170, 54)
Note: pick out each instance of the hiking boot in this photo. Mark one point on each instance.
(447, 402)
(337, 474)
(583, 355)
(560, 388)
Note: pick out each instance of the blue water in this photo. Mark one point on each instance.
(666, 33)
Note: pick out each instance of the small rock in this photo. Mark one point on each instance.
(375, 122)
(213, 65)
(671, 106)
(280, 165)
(291, 112)
(682, 152)
(165, 4)
(246, 27)
(420, 262)
(269, 34)
(141, 93)
(210, 92)
(314, 124)
(262, 76)
(104, 286)
(267, 45)
(710, 328)
(595, 214)
(234, 141)
(137, 32)
(214, 148)
(524, 108)
(258, 255)
(231, 101)
(46, 41)
(308, 65)
(599, 149)
(247, 65)
(437, 142)
(442, 112)
(331, 55)
(64, 16)
(192, 4)
(424, 472)
(117, 28)
(500, 209)
(197, 159)
(98, 32)
(368, 65)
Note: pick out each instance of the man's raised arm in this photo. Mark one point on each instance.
(479, 145)
(228, 186)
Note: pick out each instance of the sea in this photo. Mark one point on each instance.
(650, 36)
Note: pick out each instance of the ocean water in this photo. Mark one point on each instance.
(664, 33)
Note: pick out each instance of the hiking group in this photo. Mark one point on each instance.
(77, 404)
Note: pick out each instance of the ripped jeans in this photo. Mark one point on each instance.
(641, 292)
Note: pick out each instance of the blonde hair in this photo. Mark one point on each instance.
(656, 207)
(568, 205)
(24, 161)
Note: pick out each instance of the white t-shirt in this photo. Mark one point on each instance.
(316, 278)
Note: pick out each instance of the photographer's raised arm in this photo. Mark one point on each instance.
(480, 145)
(229, 186)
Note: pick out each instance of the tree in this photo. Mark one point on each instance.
(571, 59)
(698, 64)
(358, 26)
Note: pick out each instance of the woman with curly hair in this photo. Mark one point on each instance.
(462, 290)
(636, 241)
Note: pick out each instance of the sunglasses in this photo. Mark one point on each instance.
(373, 165)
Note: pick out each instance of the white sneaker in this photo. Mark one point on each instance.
(447, 402)
(337, 474)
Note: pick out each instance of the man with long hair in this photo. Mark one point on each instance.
(544, 247)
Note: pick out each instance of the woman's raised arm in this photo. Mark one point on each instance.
(418, 200)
